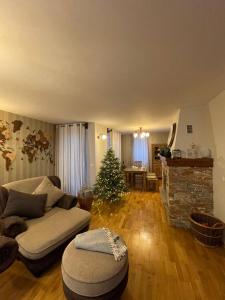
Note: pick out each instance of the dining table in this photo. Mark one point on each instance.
(130, 173)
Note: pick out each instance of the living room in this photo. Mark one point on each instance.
(112, 164)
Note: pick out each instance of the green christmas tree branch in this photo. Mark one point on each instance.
(110, 184)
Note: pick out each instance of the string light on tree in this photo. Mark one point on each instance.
(110, 184)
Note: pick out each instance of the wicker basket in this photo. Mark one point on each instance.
(85, 199)
(207, 229)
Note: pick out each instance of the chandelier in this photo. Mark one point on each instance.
(140, 133)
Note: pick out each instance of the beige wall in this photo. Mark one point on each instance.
(97, 150)
(159, 137)
(202, 136)
(15, 131)
(100, 145)
(217, 111)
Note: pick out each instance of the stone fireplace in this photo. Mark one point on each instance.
(187, 186)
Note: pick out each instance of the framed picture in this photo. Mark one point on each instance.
(189, 129)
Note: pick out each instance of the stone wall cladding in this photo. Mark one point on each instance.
(188, 189)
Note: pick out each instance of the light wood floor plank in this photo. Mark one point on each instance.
(165, 262)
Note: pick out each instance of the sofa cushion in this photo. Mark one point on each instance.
(25, 205)
(67, 201)
(48, 232)
(25, 185)
(54, 193)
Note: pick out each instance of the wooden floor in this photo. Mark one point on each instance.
(165, 262)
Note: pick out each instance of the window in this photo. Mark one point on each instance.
(140, 151)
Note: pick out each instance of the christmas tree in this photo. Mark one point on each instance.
(110, 184)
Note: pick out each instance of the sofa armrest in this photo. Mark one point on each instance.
(12, 226)
(8, 252)
(67, 201)
(3, 199)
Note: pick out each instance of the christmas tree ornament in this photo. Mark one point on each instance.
(110, 184)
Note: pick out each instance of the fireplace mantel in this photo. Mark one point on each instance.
(188, 162)
(187, 186)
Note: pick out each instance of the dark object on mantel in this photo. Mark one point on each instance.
(190, 162)
(207, 229)
(165, 152)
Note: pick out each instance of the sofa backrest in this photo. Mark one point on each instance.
(26, 186)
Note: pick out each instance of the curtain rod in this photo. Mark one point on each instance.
(85, 124)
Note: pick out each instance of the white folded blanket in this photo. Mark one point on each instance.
(101, 240)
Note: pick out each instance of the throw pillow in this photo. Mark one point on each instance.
(25, 205)
(54, 193)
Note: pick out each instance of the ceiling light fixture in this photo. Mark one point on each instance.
(141, 134)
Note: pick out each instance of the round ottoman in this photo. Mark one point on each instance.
(92, 275)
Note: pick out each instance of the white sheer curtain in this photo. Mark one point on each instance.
(116, 143)
(141, 151)
(71, 164)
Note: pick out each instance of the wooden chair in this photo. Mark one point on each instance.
(151, 179)
(138, 178)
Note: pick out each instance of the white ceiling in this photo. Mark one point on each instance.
(120, 63)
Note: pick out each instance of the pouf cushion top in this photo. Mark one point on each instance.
(91, 274)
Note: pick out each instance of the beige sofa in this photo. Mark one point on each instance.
(47, 236)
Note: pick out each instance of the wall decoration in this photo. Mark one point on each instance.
(17, 125)
(189, 129)
(36, 145)
(8, 153)
(174, 129)
(26, 147)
